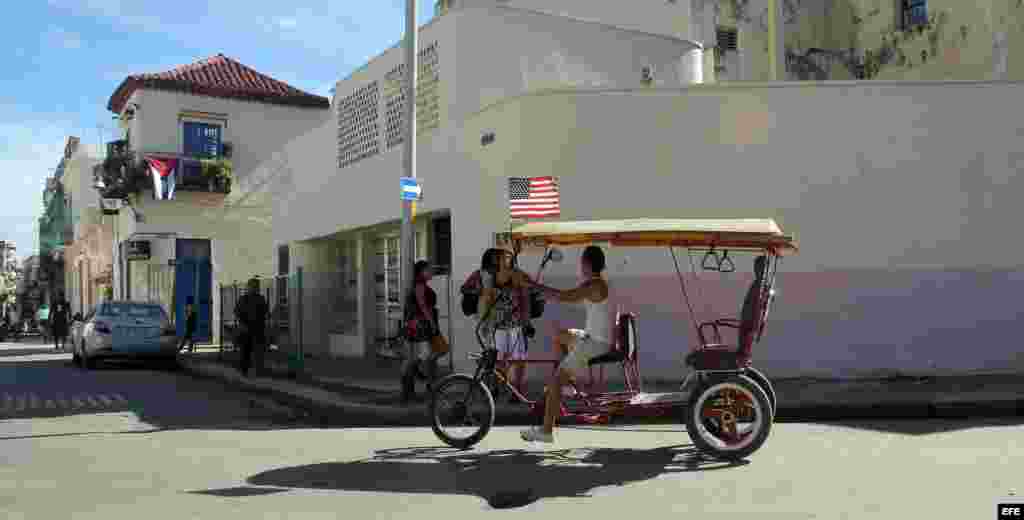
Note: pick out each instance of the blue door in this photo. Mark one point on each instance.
(204, 299)
(194, 282)
(184, 290)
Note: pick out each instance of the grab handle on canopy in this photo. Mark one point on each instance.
(713, 262)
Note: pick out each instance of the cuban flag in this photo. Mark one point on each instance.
(163, 172)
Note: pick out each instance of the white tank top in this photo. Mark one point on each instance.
(599, 322)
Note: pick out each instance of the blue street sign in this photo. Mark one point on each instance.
(411, 190)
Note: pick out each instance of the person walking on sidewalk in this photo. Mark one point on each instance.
(190, 327)
(59, 322)
(421, 326)
(251, 310)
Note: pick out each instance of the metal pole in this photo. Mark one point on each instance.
(776, 44)
(407, 249)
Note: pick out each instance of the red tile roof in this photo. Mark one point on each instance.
(217, 76)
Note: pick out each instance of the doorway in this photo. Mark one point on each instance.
(194, 283)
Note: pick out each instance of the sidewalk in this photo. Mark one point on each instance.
(372, 386)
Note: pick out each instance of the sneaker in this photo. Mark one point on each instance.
(536, 434)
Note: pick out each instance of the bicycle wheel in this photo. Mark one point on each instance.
(465, 404)
(730, 418)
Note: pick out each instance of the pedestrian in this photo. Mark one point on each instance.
(190, 327)
(59, 318)
(423, 333)
(251, 310)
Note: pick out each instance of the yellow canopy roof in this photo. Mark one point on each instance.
(744, 234)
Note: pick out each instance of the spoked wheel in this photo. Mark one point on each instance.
(461, 410)
(729, 418)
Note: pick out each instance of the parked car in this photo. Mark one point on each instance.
(124, 329)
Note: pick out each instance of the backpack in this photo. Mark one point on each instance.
(470, 303)
(471, 294)
(537, 303)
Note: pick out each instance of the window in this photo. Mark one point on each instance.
(913, 13)
(727, 39)
(282, 260)
(202, 139)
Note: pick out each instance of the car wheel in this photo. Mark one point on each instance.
(87, 362)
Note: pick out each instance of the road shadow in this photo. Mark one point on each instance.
(918, 427)
(503, 478)
(159, 398)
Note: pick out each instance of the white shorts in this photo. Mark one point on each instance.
(510, 343)
(582, 349)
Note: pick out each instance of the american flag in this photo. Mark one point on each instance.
(533, 197)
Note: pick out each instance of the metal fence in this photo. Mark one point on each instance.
(317, 315)
(283, 331)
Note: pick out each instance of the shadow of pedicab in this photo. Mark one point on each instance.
(503, 478)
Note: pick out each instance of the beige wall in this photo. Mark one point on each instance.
(977, 40)
(888, 187)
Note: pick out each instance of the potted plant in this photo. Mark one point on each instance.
(217, 173)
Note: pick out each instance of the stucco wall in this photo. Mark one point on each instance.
(255, 129)
(504, 52)
(901, 195)
(652, 16)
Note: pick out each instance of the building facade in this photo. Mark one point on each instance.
(88, 260)
(889, 182)
(210, 123)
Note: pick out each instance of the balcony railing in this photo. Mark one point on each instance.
(126, 173)
(119, 147)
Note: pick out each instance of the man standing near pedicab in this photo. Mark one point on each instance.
(252, 311)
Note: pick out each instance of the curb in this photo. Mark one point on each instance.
(332, 410)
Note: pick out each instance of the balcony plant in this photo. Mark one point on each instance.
(218, 173)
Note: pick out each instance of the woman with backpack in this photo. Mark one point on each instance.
(504, 307)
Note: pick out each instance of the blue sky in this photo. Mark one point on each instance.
(64, 58)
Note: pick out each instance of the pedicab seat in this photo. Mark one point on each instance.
(720, 356)
(626, 343)
(625, 351)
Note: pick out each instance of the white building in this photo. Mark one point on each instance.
(215, 230)
(899, 193)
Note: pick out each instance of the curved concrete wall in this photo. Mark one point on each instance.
(905, 198)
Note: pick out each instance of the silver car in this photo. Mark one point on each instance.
(123, 329)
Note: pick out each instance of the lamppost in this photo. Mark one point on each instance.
(407, 250)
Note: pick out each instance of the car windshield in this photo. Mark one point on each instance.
(132, 310)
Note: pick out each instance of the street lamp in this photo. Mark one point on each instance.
(407, 249)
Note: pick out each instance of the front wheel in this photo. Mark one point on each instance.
(466, 405)
(729, 418)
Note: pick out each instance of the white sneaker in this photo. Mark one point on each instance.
(536, 434)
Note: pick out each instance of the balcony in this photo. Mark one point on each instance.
(124, 172)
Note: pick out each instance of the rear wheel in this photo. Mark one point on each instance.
(729, 418)
(765, 385)
(461, 411)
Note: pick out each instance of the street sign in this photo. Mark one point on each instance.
(411, 189)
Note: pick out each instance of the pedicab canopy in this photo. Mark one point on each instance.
(733, 234)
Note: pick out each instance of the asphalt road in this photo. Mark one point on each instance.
(169, 446)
